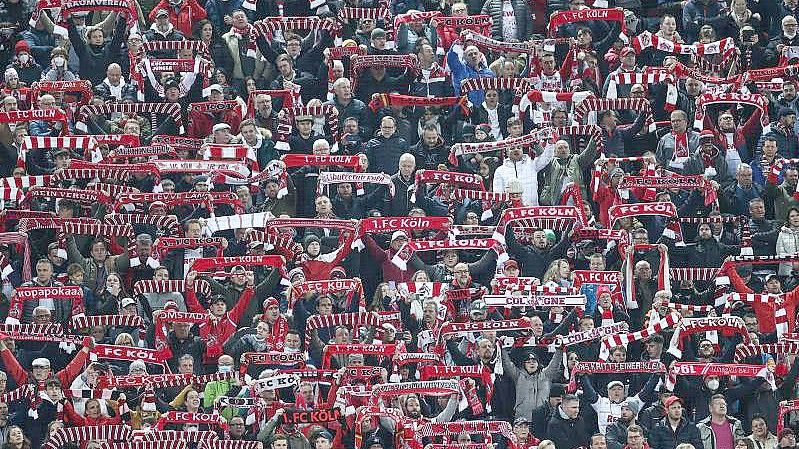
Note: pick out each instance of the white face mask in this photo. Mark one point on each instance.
(225, 368)
(24, 58)
(59, 61)
(790, 34)
(713, 384)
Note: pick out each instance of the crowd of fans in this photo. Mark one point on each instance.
(409, 224)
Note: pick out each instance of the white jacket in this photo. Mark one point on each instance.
(787, 243)
(526, 171)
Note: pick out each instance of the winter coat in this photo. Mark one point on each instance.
(666, 146)
(384, 153)
(709, 439)
(663, 437)
(568, 433)
(787, 243)
(94, 59)
(240, 64)
(526, 171)
(562, 171)
(188, 13)
(524, 22)
(532, 390)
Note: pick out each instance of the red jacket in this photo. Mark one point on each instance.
(382, 256)
(765, 311)
(217, 332)
(66, 375)
(80, 421)
(201, 124)
(190, 12)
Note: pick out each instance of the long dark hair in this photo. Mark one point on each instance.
(197, 30)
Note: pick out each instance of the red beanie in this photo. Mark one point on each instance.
(21, 46)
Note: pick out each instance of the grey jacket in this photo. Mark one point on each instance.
(524, 20)
(706, 431)
(532, 390)
(666, 145)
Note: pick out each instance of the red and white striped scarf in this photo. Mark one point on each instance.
(170, 109)
(64, 435)
(269, 25)
(84, 321)
(230, 151)
(359, 63)
(25, 181)
(647, 39)
(201, 286)
(87, 143)
(666, 322)
(640, 105)
(743, 351)
(690, 326)
(693, 182)
(169, 223)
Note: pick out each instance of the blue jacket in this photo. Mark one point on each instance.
(461, 71)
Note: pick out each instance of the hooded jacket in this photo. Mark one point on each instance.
(532, 390)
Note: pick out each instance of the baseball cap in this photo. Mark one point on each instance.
(127, 301)
(161, 13)
(671, 400)
(215, 87)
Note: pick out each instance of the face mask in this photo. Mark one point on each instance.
(109, 288)
(225, 368)
(59, 61)
(713, 384)
(790, 34)
(24, 58)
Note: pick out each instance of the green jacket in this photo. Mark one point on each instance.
(562, 171)
(217, 389)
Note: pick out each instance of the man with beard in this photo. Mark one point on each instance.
(626, 427)
(707, 252)
(431, 151)
(412, 409)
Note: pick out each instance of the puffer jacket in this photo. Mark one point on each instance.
(184, 17)
(526, 171)
(706, 431)
(787, 243)
(532, 390)
(524, 22)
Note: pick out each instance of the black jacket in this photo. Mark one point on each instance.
(384, 153)
(568, 433)
(663, 437)
(94, 60)
(535, 262)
